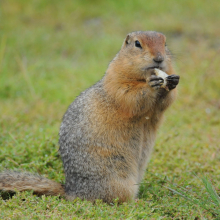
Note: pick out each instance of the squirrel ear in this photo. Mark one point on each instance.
(128, 39)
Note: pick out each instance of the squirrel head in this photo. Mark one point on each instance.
(129, 71)
(141, 52)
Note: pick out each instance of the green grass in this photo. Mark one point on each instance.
(50, 51)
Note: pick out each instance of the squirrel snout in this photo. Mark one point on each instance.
(158, 59)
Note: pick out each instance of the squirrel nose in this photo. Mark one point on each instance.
(158, 59)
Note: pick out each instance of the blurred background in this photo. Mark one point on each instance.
(50, 51)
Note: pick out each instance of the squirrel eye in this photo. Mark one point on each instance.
(137, 44)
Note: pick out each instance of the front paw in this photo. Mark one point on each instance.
(172, 81)
(155, 82)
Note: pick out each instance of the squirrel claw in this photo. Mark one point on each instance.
(156, 82)
(172, 81)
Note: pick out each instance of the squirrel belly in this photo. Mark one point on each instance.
(108, 132)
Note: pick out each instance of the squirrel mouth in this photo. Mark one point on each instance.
(153, 67)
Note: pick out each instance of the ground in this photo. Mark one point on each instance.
(50, 51)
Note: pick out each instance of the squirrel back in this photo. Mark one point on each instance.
(108, 132)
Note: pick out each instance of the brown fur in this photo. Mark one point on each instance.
(108, 132)
(12, 181)
(125, 82)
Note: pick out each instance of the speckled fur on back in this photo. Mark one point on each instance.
(108, 132)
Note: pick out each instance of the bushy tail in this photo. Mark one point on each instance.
(12, 181)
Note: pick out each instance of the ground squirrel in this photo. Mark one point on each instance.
(108, 132)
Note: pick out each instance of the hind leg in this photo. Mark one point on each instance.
(106, 189)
